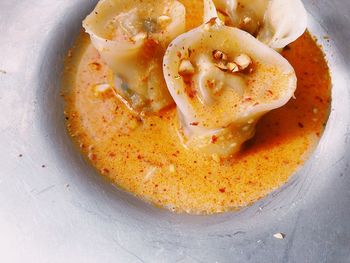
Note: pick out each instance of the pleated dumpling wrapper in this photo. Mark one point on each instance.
(131, 37)
(223, 80)
(276, 23)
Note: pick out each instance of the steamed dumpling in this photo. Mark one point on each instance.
(276, 23)
(223, 80)
(131, 36)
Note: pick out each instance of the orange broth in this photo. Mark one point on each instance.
(145, 157)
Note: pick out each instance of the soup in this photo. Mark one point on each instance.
(144, 155)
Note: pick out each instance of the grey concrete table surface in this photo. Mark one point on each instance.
(55, 208)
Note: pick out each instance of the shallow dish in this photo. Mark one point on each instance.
(54, 207)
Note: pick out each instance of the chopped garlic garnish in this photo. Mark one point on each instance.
(150, 173)
(163, 21)
(243, 61)
(139, 36)
(186, 68)
(246, 128)
(100, 89)
(251, 121)
(246, 20)
(172, 168)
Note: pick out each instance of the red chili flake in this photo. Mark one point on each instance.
(179, 54)
(210, 84)
(222, 190)
(301, 125)
(319, 99)
(212, 21)
(92, 157)
(112, 154)
(248, 99)
(270, 92)
(214, 139)
(190, 92)
(194, 123)
(139, 157)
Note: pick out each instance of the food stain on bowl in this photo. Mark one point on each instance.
(138, 136)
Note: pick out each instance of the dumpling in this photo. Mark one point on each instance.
(276, 23)
(131, 36)
(223, 81)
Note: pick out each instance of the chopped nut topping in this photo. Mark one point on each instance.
(221, 66)
(232, 67)
(164, 21)
(219, 55)
(279, 235)
(243, 61)
(233, 145)
(186, 68)
(246, 128)
(172, 168)
(247, 19)
(139, 36)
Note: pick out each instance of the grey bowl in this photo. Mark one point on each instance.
(55, 208)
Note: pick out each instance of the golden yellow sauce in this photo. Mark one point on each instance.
(145, 156)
